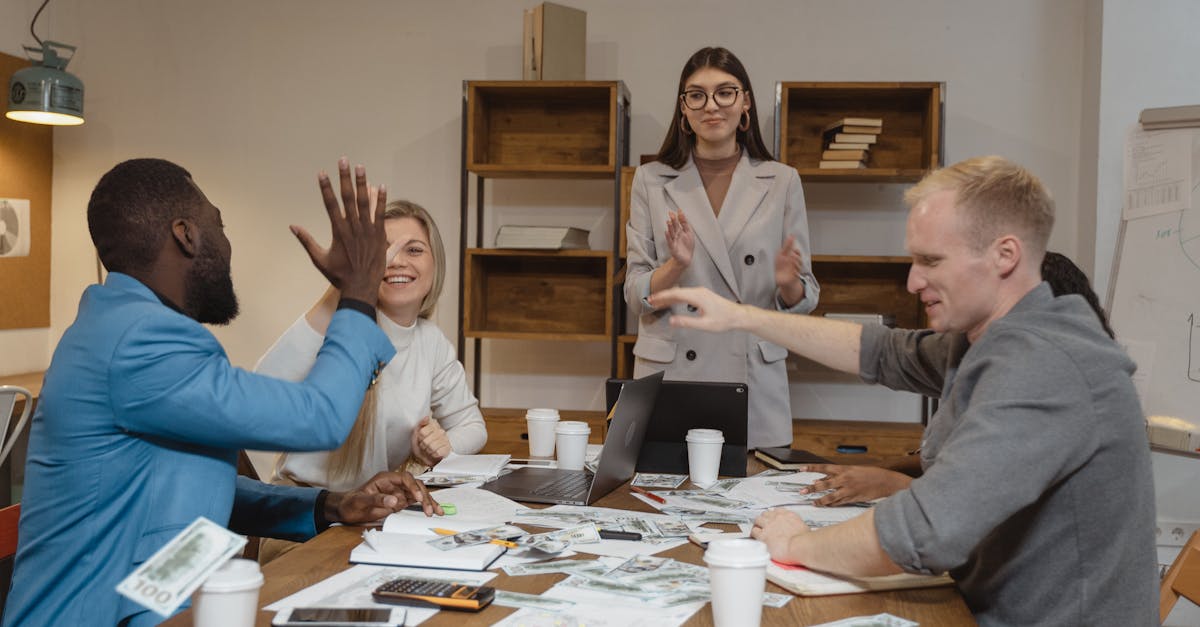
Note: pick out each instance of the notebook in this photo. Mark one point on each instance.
(785, 458)
(806, 583)
(684, 405)
(626, 429)
(404, 549)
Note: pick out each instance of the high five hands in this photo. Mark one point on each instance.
(357, 257)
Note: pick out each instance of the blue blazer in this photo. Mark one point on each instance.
(136, 434)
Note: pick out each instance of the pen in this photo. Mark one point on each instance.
(448, 532)
(650, 495)
(612, 534)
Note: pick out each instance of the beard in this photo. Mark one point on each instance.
(208, 288)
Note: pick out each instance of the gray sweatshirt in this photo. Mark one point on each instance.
(1037, 495)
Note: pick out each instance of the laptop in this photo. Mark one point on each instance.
(684, 405)
(629, 417)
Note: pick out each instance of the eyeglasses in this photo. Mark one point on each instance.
(697, 99)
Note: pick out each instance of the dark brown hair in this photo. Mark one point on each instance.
(678, 146)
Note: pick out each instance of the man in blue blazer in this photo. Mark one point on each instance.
(141, 415)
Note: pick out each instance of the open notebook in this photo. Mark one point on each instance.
(808, 583)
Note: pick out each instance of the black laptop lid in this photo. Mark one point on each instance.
(683, 405)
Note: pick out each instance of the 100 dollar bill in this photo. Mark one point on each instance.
(165, 581)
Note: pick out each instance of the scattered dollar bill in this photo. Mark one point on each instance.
(715, 501)
(536, 601)
(551, 518)
(672, 528)
(170, 576)
(724, 485)
(636, 525)
(583, 534)
(570, 567)
(680, 598)
(637, 564)
(657, 480)
(610, 586)
(772, 599)
(478, 536)
(446, 481)
(719, 518)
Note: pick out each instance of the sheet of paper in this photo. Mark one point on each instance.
(455, 464)
(352, 588)
(1158, 172)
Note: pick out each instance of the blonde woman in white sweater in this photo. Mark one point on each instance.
(420, 409)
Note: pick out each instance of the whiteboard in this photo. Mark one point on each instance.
(1154, 301)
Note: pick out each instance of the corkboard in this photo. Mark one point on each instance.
(26, 167)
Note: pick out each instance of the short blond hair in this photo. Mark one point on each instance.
(994, 197)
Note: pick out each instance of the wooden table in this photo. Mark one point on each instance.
(327, 554)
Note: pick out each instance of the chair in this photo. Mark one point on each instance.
(8, 548)
(1183, 579)
(246, 468)
(8, 400)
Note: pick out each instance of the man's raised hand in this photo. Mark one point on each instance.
(357, 257)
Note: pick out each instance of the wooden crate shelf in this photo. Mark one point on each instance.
(625, 357)
(627, 173)
(867, 284)
(909, 146)
(543, 129)
(521, 294)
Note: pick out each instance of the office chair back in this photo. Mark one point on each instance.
(1183, 579)
(8, 400)
(8, 530)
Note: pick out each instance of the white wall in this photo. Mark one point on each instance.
(255, 97)
(1149, 57)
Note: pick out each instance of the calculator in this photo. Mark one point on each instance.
(434, 593)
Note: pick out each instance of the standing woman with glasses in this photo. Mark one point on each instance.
(716, 210)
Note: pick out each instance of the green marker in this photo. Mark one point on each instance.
(449, 509)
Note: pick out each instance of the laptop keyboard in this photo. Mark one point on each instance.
(567, 486)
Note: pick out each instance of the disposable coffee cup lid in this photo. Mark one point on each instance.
(234, 576)
(541, 413)
(572, 427)
(705, 435)
(737, 553)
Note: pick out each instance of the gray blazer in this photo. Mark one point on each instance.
(735, 257)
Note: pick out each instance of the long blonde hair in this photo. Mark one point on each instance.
(345, 461)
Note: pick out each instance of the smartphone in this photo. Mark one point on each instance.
(340, 617)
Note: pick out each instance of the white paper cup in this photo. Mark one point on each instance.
(229, 597)
(737, 572)
(571, 438)
(704, 455)
(540, 422)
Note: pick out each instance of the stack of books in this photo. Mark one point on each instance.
(541, 237)
(848, 142)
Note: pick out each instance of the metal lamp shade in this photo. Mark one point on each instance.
(46, 93)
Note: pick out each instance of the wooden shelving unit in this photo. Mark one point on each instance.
(539, 130)
(867, 285)
(911, 143)
(558, 295)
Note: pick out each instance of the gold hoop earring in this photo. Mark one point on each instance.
(745, 126)
(683, 126)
